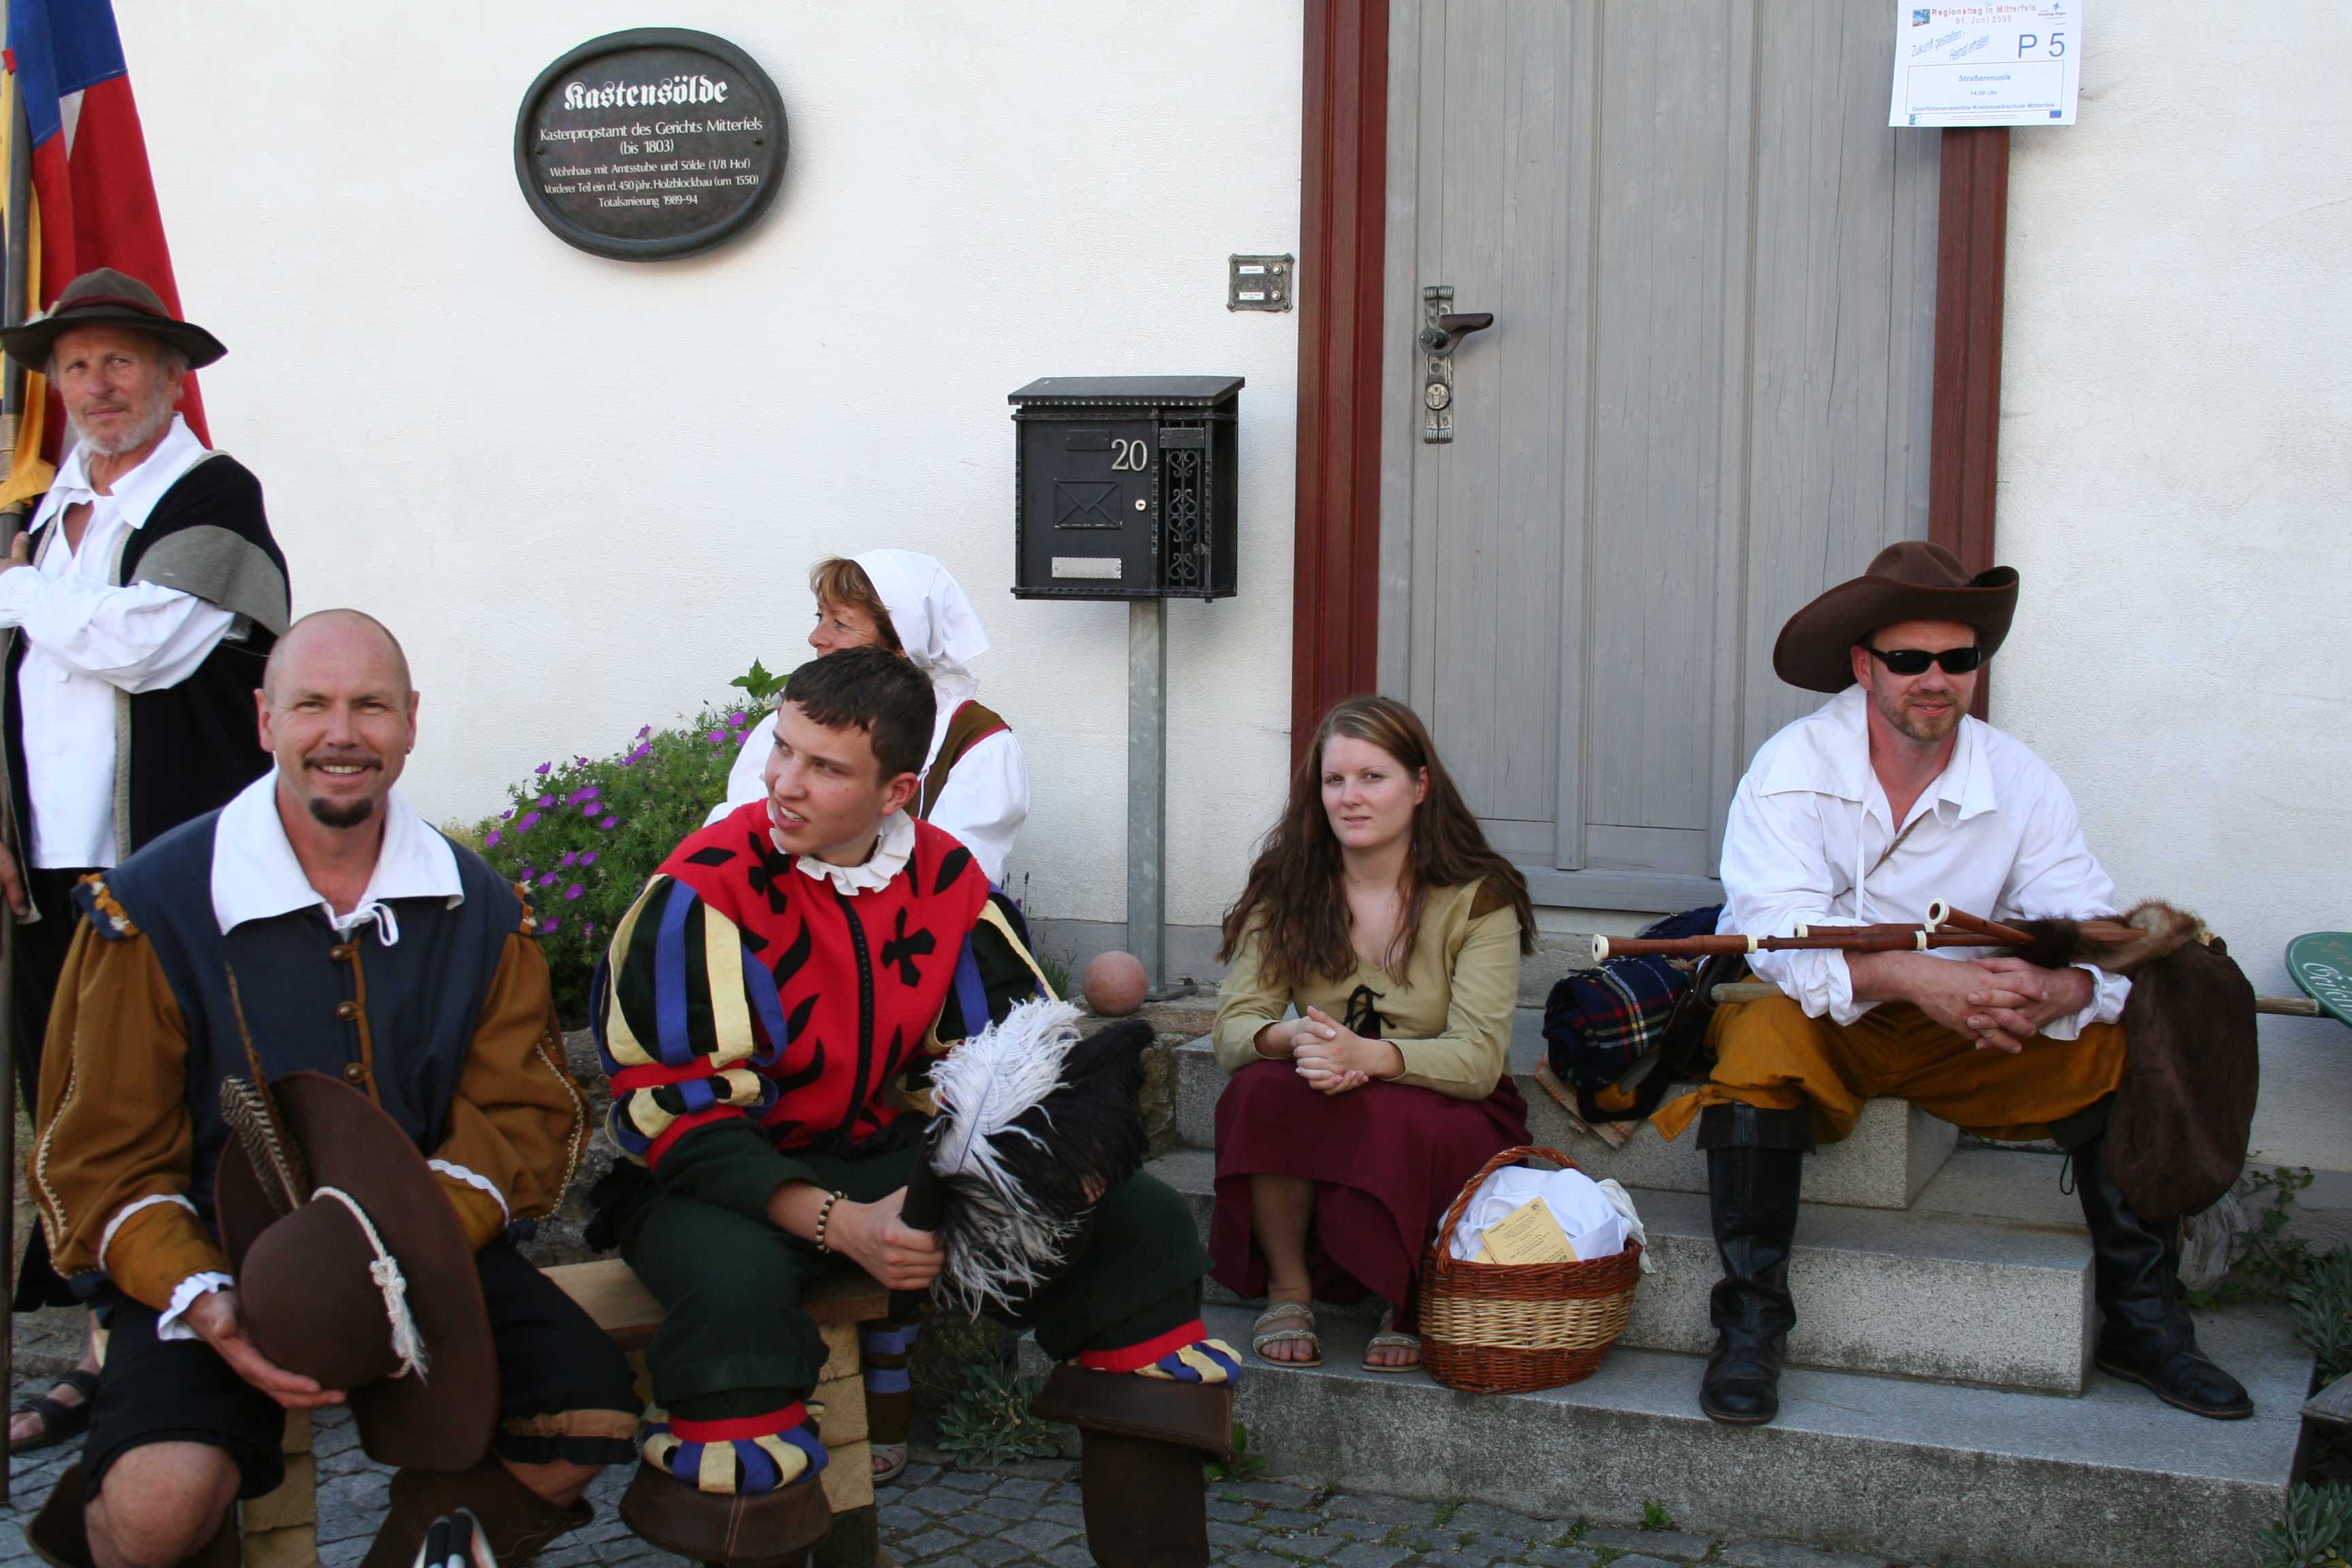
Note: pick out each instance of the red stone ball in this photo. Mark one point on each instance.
(1115, 985)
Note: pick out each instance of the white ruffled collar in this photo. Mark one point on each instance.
(896, 842)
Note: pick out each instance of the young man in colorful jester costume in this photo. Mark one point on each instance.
(767, 1015)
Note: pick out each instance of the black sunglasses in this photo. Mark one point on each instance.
(1916, 660)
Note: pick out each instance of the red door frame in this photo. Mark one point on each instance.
(1342, 228)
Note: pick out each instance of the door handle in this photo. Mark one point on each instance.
(1442, 332)
(1444, 335)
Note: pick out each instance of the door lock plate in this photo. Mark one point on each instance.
(1436, 369)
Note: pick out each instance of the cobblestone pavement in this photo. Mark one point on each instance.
(1028, 1517)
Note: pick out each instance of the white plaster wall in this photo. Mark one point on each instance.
(2176, 459)
(586, 492)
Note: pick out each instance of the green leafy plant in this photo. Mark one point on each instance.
(1654, 1515)
(2270, 1263)
(1246, 1465)
(582, 836)
(1057, 974)
(2317, 1531)
(758, 685)
(2323, 1311)
(989, 1424)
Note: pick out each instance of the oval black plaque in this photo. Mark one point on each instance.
(656, 142)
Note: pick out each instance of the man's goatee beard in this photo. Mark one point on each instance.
(341, 813)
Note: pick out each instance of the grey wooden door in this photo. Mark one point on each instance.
(1705, 397)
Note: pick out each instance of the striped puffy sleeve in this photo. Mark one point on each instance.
(684, 1018)
(995, 972)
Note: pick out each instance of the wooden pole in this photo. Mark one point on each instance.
(15, 303)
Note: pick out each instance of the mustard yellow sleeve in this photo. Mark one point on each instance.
(519, 1123)
(112, 1142)
(1483, 991)
(1246, 1003)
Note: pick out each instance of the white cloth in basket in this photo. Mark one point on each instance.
(1596, 1216)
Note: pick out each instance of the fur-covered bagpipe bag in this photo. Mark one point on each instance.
(1034, 1125)
(2177, 1135)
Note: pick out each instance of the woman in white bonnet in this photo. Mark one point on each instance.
(976, 783)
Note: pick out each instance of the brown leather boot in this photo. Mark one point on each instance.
(1139, 1469)
(516, 1521)
(60, 1537)
(763, 1530)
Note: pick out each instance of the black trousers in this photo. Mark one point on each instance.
(564, 1392)
(37, 958)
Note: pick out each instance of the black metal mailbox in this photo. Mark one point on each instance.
(1124, 487)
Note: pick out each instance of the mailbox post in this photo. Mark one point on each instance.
(1125, 489)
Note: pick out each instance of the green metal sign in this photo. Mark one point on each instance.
(2321, 963)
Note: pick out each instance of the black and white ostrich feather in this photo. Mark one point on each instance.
(1034, 1125)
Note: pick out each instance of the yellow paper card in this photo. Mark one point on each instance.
(1527, 1234)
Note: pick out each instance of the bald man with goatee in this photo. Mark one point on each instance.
(374, 950)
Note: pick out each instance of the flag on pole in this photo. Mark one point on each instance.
(93, 198)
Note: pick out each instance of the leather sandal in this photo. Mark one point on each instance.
(1268, 1330)
(60, 1420)
(1386, 1337)
(889, 1462)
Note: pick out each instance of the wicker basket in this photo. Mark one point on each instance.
(1501, 1328)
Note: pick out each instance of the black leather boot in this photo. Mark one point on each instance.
(2136, 1268)
(1754, 1168)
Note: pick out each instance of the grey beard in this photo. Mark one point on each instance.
(146, 430)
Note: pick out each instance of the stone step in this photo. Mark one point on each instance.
(1985, 1281)
(1893, 1152)
(1914, 1471)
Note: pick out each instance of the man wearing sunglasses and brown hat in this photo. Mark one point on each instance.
(1886, 798)
(135, 612)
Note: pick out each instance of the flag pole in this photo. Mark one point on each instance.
(14, 306)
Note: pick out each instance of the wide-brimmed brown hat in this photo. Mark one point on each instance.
(1913, 580)
(318, 1300)
(107, 299)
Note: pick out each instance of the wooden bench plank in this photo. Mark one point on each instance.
(622, 1306)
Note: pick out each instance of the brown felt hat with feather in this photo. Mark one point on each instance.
(1911, 581)
(316, 1282)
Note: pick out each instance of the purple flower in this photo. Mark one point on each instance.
(549, 924)
(530, 820)
(587, 928)
(570, 858)
(590, 792)
(506, 814)
(737, 718)
(609, 824)
(573, 891)
(644, 732)
(547, 879)
(544, 800)
(588, 858)
(590, 807)
(541, 769)
(716, 736)
(491, 840)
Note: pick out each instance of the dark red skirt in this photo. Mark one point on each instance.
(1387, 1159)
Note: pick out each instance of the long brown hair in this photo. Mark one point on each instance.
(1294, 887)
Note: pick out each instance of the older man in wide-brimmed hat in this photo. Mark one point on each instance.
(135, 613)
(1886, 798)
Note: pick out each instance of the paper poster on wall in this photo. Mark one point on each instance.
(1986, 62)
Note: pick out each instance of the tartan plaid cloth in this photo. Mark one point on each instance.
(1599, 1022)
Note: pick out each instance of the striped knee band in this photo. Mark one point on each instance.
(744, 1455)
